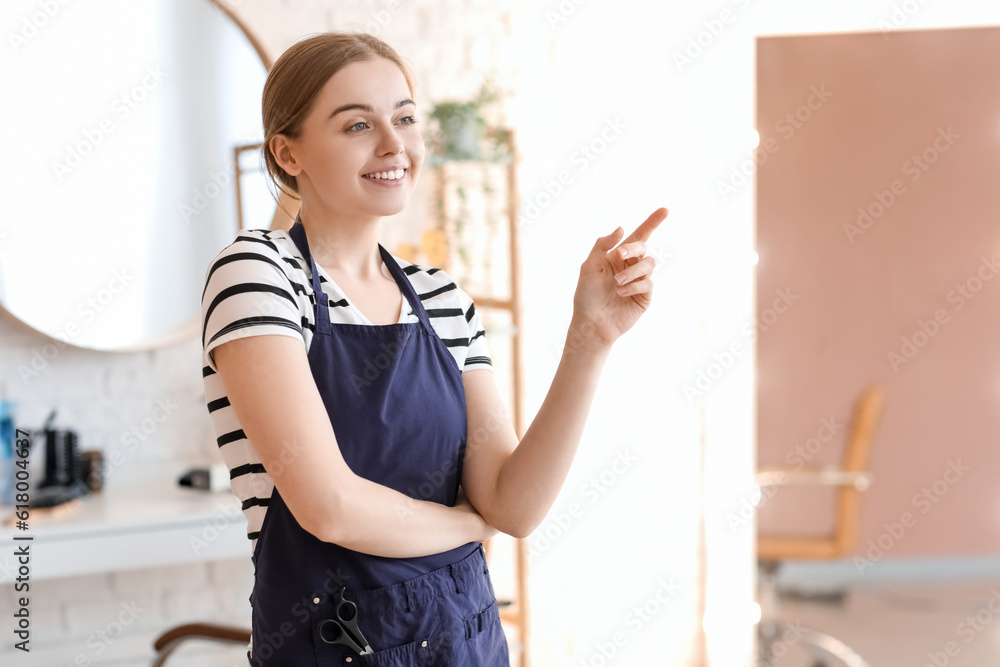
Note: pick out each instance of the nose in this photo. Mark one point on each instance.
(390, 142)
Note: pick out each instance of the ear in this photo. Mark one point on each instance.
(284, 150)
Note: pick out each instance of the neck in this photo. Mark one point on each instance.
(343, 244)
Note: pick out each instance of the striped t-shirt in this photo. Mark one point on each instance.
(259, 285)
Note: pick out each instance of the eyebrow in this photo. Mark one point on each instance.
(365, 107)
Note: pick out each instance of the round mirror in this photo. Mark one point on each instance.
(122, 127)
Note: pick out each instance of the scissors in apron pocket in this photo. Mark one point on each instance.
(345, 630)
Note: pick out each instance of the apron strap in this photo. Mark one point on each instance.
(298, 234)
(407, 289)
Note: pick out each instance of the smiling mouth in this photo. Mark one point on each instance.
(393, 175)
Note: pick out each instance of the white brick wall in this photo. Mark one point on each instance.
(452, 45)
(115, 616)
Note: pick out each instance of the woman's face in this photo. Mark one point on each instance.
(359, 151)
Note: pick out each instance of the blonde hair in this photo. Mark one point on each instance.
(298, 76)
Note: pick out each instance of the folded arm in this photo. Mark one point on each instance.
(274, 396)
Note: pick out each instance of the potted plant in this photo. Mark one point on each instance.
(461, 126)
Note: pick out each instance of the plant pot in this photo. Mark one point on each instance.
(461, 135)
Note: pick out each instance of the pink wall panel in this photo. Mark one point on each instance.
(905, 126)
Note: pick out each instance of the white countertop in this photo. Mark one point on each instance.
(142, 518)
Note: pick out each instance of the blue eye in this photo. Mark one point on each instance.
(412, 119)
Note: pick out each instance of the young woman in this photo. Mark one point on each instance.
(352, 392)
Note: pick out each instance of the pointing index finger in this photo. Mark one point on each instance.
(643, 231)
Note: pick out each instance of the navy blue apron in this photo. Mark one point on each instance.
(396, 400)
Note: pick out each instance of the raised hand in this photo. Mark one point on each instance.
(603, 307)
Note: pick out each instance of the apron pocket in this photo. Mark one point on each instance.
(482, 621)
(485, 643)
(420, 653)
(379, 631)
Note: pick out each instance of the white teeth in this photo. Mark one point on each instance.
(387, 175)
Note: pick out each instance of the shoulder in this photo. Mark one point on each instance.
(256, 272)
(253, 286)
(452, 312)
(254, 253)
(434, 285)
(256, 243)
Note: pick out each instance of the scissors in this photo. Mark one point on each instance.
(346, 627)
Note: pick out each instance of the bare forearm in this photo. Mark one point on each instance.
(532, 476)
(374, 519)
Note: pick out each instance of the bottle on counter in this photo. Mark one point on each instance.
(7, 436)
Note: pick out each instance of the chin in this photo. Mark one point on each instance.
(383, 211)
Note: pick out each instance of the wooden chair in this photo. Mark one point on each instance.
(851, 478)
(171, 639)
